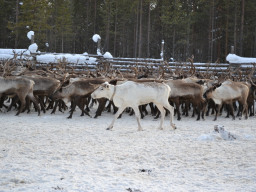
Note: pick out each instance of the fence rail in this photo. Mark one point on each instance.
(128, 64)
(156, 65)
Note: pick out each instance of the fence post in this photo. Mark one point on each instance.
(162, 51)
(33, 54)
(99, 47)
(32, 39)
(232, 50)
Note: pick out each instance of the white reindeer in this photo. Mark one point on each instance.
(132, 94)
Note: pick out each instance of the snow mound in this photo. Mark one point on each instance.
(99, 52)
(29, 34)
(85, 54)
(108, 55)
(69, 58)
(6, 54)
(96, 38)
(233, 58)
(219, 133)
(33, 48)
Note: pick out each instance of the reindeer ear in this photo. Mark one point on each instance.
(218, 85)
(105, 85)
(200, 82)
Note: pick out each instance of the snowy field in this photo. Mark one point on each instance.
(51, 153)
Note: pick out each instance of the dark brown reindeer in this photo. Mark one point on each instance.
(191, 92)
(44, 87)
(77, 91)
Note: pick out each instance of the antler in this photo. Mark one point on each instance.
(7, 68)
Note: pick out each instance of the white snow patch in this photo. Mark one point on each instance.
(85, 54)
(12, 51)
(219, 133)
(33, 48)
(99, 52)
(96, 38)
(69, 58)
(29, 34)
(233, 58)
(108, 55)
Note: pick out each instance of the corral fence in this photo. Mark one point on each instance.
(153, 66)
(157, 66)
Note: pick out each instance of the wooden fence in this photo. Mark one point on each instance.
(158, 65)
(154, 66)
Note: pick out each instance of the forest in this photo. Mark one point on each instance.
(204, 29)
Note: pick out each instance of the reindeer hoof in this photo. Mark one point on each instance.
(174, 126)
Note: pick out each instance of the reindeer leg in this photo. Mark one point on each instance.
(22, 105)
(162, 111)
(101, 106)
(217, 108)
(55, 107)
(137, 114)
(171, 110)
(34, 100)
(119, 112)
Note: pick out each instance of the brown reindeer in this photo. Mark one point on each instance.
(228, 92)
(77, 91)
(191, 92)
(44, 87)
(21, 87)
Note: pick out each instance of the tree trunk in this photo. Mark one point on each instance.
(140, 37)
(106, 45)
(148, 39)
(173, 42)
(226, 36)
(16, 24)
(242, 28)
(235, 30)
(254, 51)
(136, 31)
(95, 15)
(115, 31)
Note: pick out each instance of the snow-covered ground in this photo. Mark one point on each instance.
(52, 153)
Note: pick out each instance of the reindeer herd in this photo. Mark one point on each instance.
(48, 90)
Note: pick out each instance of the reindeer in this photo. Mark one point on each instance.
(76, 92)
(133, 94)
(228, 92)
(189, 92)
(44, 87)
(21, 87)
